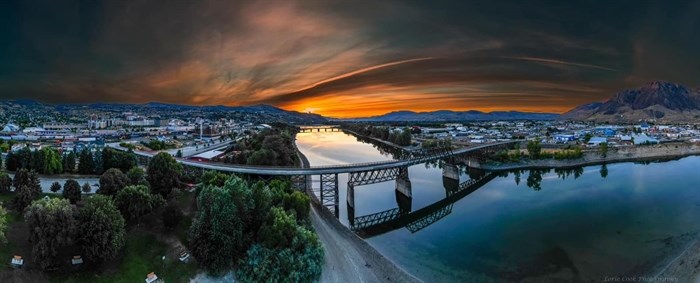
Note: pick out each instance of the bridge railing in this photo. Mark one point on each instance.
(411, 161)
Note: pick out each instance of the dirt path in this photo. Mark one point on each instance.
(349, 258)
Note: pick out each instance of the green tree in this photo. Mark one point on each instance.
(298, 203)
(101, 227)
(112, 181)
(86, 162)
(86, 188)
(71, 191)
(135, 201)
(587, 137)
(213, 178)
(287, 253)
(52, 163)
(163, 174)
(5, 182)
(23, 198)
(69, 161)
(3, 225)
(11, 161)
(264, 157)
(534, 149)
(112, 158)
(55, 187)
(137, 176)
(53, 225)
(179, 153)
(603, 149)
(29, 179)
(217, 230)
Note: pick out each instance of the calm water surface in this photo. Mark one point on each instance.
(531, 226)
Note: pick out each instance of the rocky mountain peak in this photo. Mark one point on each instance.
(654, 100)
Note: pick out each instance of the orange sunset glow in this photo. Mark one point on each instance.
(337, 59)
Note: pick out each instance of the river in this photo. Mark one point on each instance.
(586, 224)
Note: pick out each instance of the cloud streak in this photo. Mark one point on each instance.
(343, 59)
(560, 62)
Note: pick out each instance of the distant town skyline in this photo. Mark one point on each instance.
(345, 59)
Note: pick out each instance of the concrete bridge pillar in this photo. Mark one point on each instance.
(351, 196)
(451, 185)
(404, 203)
(473, 162)
(450, 171)
(403, 186)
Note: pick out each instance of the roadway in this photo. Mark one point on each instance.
(317, 170)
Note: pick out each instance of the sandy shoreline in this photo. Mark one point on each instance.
(347, 258)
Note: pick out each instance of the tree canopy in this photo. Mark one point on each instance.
(163, 174)
(5, 182)
(255, 225)
(53, 225)
(71, 191)
(112, 181)
(134, 201)
(101, 228)
(3, 225)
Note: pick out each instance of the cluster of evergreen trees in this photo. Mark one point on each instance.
(48, 161)
(271, 147)
(264, 229)
(97, 224)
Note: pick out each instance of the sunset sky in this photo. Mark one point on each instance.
(345, 58)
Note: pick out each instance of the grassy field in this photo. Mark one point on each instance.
(143, 253)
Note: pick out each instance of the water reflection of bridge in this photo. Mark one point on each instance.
(403, 216)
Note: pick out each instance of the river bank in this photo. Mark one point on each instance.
(377, 140)
(615, 155)
(347, 258)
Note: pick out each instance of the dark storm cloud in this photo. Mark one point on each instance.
(331, 56)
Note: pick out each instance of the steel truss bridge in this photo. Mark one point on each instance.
(385, 221)
(359, 174)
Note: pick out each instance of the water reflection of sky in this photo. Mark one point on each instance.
(583, 228)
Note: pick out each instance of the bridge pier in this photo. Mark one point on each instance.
(473, 162)
(450, 185)
(403, 186)
(404, 203)
(450, 171)
(351, 203)
(329, 192)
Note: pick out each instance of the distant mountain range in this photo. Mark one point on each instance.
(657, 100)
(447, 115)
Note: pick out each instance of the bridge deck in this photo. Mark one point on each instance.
(317, 170)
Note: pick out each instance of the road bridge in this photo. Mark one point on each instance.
(328, 175)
